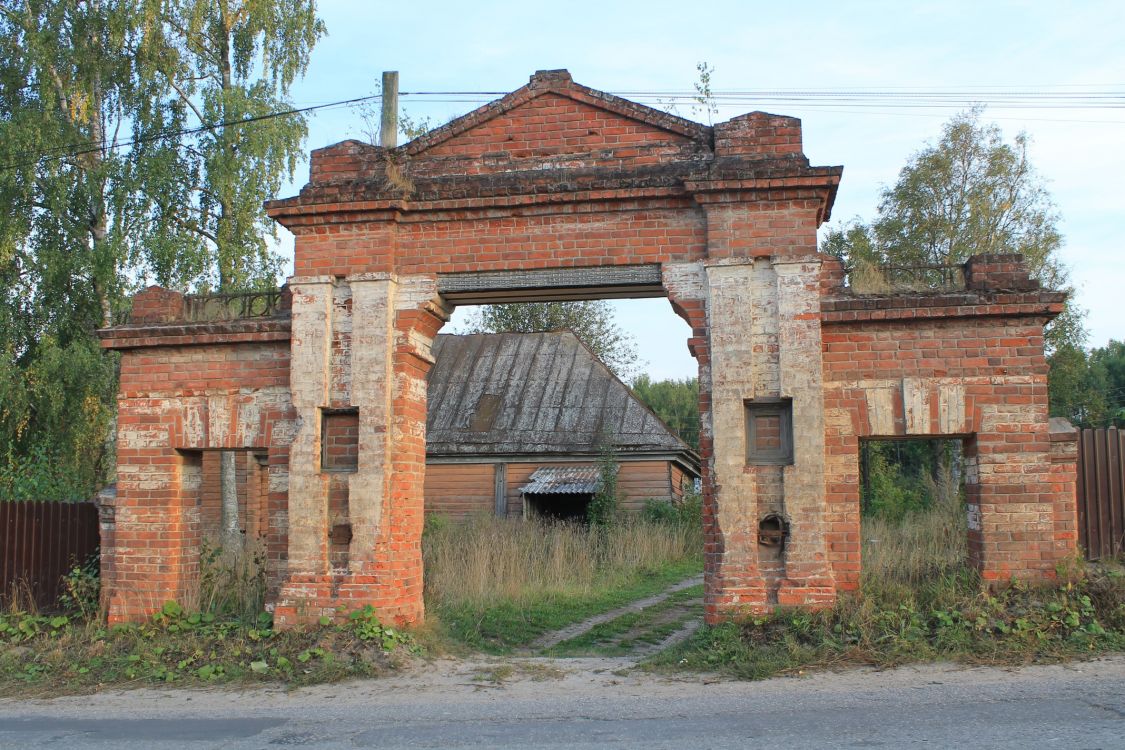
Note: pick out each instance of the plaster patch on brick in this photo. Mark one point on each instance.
(916, 405)
(194, 413)
(372, 319)
(881, 409)
(309, 365)
(801, 376)
(142, 438)
(219, 420)
(951, 409)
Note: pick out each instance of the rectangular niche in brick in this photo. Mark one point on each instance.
(769, 431)
(339, 440)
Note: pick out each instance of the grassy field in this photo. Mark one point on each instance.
(495, 585)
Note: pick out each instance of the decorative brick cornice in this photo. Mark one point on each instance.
(140, 336)
(926, 306)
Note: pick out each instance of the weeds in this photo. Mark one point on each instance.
(42, 655)
(227, 638)
(918, 601)
(232, 583)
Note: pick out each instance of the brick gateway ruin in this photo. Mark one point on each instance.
(558, 191)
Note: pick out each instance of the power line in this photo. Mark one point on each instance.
(868, 100)
(89, 147)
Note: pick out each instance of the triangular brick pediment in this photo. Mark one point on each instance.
(551, 116)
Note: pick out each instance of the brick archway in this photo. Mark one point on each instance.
(560, 191)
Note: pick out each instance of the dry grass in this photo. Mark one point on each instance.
(923, 546)
(488, 560)
(868, 278)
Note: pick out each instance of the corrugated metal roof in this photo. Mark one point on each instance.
(533, 393)
(563, 480)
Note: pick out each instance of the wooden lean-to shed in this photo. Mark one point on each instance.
(516, 423)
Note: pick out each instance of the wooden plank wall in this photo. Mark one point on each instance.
(461, 490)
(1101, 492)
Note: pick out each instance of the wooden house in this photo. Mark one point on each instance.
(516, 424)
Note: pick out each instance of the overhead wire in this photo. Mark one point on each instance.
(849, 100)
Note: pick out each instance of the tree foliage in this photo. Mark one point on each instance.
(592, 321)
(1089, 388)
(971, 192)
(676, 402)
(118, 167)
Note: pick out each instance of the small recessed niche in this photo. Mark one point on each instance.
(339, 440)
(769, 431)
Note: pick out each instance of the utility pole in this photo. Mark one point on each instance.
(388, 122)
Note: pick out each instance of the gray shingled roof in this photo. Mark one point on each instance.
(533, 393)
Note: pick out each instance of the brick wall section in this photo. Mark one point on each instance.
(216, 387)
(967, 365)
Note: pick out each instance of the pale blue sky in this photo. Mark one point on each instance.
(623, 46)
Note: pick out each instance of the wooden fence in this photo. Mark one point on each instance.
(40, 543)
(1101, 499)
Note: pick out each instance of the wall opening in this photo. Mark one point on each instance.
(571, 507)
(913, 509)
(489, 536)
(232, 491)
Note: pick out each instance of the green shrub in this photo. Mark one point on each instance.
(688, 511)
(604, 507)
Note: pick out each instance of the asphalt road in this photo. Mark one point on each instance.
(585, 704)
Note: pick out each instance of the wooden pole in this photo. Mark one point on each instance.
(388, 122)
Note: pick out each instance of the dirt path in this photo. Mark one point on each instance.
(636, 630)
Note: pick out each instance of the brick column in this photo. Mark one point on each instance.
(808, 580)
(1012, 509)
(309, 383)
(155, 552)
(391, 328)
(1064, 485)
(737, 582)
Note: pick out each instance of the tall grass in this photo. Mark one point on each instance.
(922, 546)
(488, 560)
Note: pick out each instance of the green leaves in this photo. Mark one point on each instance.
(106, 189)
(676, 402)
(970, 192)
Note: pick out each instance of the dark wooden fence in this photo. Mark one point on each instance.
(1101, 492)
(40, 543)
